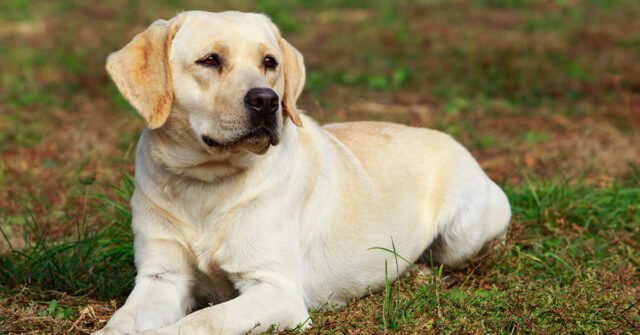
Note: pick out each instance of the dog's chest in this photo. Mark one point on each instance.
(213, 283)
(230, 230)
(218, 230)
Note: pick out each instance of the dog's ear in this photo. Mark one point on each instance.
(142, 73)
(294, 77)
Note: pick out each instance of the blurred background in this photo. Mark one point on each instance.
(546, 90)
(552, 86)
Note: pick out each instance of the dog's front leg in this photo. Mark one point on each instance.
(257, 307)
(161, 295)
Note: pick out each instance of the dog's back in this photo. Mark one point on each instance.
(458, 206)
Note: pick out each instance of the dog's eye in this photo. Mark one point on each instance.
(211, 60)
(269, 63)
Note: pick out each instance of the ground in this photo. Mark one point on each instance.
(545, 94)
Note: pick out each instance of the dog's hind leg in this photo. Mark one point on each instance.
(466, 227)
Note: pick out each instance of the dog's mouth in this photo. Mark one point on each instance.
(257, 140)
(209, 141)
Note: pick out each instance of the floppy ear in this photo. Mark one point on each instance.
(294, 76)
(142, 73)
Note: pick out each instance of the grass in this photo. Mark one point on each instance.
(546, 94)
(96, 261)
(570, 262)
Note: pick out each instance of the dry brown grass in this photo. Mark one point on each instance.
(21, 312)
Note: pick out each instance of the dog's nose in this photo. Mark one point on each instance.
(263, 101)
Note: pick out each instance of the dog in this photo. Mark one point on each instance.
(247, 213)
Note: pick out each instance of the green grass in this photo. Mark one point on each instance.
(94, 261)
(571, 262)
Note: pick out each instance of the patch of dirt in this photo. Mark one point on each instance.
(21, 314)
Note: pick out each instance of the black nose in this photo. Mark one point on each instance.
(263, 101)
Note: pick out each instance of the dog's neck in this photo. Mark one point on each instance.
(181, 156)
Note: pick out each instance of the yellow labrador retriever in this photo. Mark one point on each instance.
(248, 211)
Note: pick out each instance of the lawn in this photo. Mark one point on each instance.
(545, 94)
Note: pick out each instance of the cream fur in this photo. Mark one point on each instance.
(265, 236)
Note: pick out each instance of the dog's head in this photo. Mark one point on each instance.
(228, 81)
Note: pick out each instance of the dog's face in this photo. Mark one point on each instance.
(227, 81)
